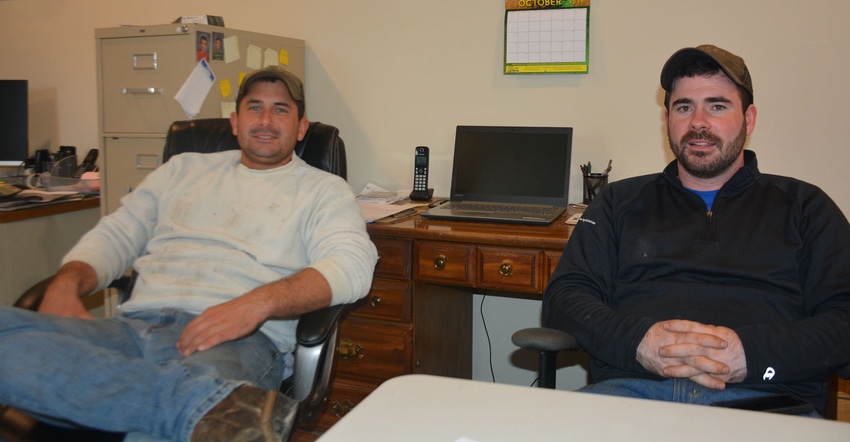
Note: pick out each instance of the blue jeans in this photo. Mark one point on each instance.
(683, 391)
(124, 374)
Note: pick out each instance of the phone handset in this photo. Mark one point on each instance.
(87, 165)
(421, 192)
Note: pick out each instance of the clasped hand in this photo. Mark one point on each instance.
(709, 355)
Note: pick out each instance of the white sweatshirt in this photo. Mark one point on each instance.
(203, 229)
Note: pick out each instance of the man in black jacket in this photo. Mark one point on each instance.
(710, 281)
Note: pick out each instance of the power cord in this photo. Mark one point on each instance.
(487, 333)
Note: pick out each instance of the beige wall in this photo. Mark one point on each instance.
(397, 74)
(393, 75)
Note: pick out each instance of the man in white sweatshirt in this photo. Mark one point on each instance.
(230, 248)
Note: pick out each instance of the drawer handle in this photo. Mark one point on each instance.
(505, 269)
(349, 351)
(145, 62)
(440, 262)
(148, 161)
(376, 301)
(340, 409)
(141, 90)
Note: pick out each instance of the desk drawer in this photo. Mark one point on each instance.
(511, 269)
(373, 352)
(393, 258)
(444, 263)
(387, 301)
(343, 397)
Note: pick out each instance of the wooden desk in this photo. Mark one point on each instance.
(428, 408)
(34, 241)
(417, 317)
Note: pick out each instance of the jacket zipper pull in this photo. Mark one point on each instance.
(708, 216)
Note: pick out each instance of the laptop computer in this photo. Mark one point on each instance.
(508, 174)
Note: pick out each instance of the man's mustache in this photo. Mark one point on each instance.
(701, 135)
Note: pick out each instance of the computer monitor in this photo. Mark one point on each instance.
(14, 113)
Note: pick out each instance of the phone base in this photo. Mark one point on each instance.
(419, 195)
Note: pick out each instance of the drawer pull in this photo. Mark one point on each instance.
(440, 262)
(376, 301)
(141, 90)
(505, 269)
(147, 161)
(349, 351)
(340, 409)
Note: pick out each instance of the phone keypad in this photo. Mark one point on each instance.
(420, 178)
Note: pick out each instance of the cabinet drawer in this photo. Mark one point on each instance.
(140, 77)
(446, 263)
(127, 161)
(393, 258)
(552, 258)
(343, 397)
(372, 352)
(511, 269)
(387, 301)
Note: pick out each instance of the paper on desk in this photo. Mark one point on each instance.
(373, 211)
(376, 202)
(194, 91)
(376, 193)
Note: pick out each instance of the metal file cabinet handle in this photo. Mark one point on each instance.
(141, 91)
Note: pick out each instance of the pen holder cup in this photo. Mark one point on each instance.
(593, 184)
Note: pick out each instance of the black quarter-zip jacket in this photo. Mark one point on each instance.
(770, 260)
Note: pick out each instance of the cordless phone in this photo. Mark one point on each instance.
(87, 165)
(421, 192)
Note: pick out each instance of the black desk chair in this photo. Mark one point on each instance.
(548, 342)
(317, 331)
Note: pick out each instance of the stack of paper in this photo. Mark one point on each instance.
(376, 203)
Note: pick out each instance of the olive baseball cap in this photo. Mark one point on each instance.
(731, 64)
(292, 83)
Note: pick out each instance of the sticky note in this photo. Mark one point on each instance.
(227, 108)
(270, 58)
(255, 57)
(231, 49)
(283, 57)
(225, 88)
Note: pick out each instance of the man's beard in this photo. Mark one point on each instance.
(697, 163)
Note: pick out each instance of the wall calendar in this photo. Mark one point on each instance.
(547, 36)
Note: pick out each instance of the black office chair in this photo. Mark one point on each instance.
(317, 331)
(548, 342)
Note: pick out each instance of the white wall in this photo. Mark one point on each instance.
(394, 75)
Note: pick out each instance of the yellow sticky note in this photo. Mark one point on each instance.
(224, 87)
(283, 57)
(241, 78)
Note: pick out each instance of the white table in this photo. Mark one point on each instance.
(429, 408)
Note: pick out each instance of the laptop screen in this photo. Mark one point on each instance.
(529, 165)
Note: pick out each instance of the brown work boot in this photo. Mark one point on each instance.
(248, 414)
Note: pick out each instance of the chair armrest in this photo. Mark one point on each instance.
(31, 298)
(314, 356)
(845, 372)
(314, 327)
(544, 339)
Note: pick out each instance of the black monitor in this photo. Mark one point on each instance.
(14, 112)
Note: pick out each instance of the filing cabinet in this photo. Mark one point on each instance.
(140, 70)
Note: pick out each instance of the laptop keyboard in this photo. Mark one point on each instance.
(502, 208)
